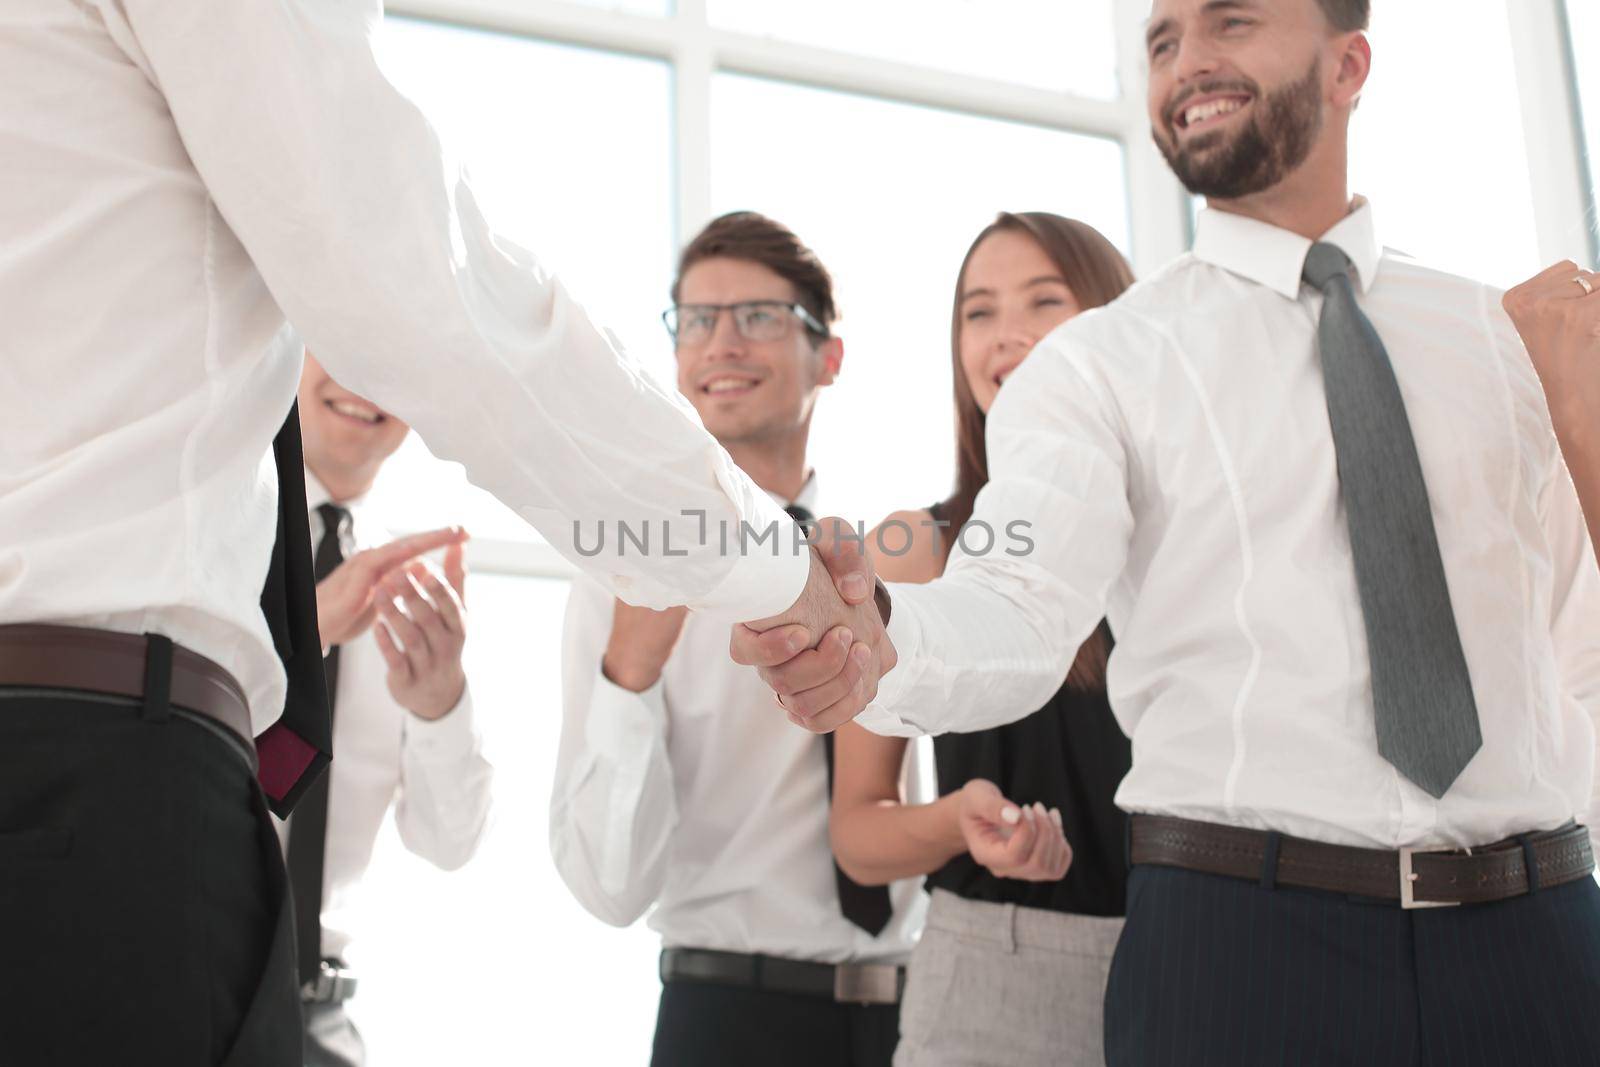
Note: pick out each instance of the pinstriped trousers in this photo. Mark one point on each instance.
(1218, 971)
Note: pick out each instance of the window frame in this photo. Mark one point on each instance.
(1159, 210)
(1552, 120)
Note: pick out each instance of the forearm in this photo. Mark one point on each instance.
(373, 246)
(613, 806)
(612, 851)
(990, 641)
(445, 787)
(882, 842)
(973, 655)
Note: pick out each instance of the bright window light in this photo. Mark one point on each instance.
(1438, 141)
(588, 189)
(496, 963)
(1065, 45)
(890, 196)
(1583, 18)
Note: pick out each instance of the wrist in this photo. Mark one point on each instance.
(633, 675)
(434, 710)
(952, 837)
(1574, 418)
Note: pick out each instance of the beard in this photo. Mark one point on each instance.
(1277, 138)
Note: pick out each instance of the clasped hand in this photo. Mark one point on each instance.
(1023, 841)
(824, 656)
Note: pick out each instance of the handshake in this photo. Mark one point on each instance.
(824, 657)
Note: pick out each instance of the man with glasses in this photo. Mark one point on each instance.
(675, 784)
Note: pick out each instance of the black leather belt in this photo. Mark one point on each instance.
(845, 983)
(1417, 878)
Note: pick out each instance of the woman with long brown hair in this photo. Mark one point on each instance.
(1012, 965)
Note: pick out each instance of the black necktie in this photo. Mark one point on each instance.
(868, 906)
(293, 751)
(308, 833)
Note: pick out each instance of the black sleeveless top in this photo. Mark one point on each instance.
(1071, 755)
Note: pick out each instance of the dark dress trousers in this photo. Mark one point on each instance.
(143, 906)
(706, 1025)
(145, 917)
(1220, 972)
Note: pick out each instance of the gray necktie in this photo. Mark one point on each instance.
(1427, 720)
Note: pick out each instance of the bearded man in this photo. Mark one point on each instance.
(1314, 488)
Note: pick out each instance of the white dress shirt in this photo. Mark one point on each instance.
(433, 772)
(694, 796)
(1173, 454)
(178, 177)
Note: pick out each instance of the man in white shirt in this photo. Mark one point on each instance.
(1221, 463)
(402, 714)
(675, 785)
(177, 179)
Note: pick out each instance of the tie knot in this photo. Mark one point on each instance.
(1324, 263)
(801, 515)
(333, 516)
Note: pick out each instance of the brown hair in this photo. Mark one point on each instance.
(1097, 274)
(1347, 15)
(754, 237)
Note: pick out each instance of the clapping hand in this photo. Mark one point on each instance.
(347, 598)
(424, 630)
(1025, 842)
(824, 656)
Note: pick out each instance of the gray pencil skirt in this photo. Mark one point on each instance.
(1008, 986)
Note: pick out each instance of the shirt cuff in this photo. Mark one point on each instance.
(621, 720)
(886, 715)
(452, 736)
(760, 583)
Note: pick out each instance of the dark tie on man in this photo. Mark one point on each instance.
(868, 907)
(308, 832)
(1427, 719)
(293, 752)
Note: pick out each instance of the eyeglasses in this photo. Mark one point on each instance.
(756, 320)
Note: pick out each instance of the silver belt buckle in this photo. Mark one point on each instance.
(1408, 881)
(318, 989)
(866, 983)
(330, 985)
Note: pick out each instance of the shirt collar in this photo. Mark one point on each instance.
(1274, 257)
(316, 493)
(807, 497)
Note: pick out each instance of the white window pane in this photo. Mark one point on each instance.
(1064, 45)
(1583, 18)
(496, 963)
(587, 189)
(1438, 140)
(890, 197)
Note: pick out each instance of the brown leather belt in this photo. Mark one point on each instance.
(36, 656)
(1417, 878)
